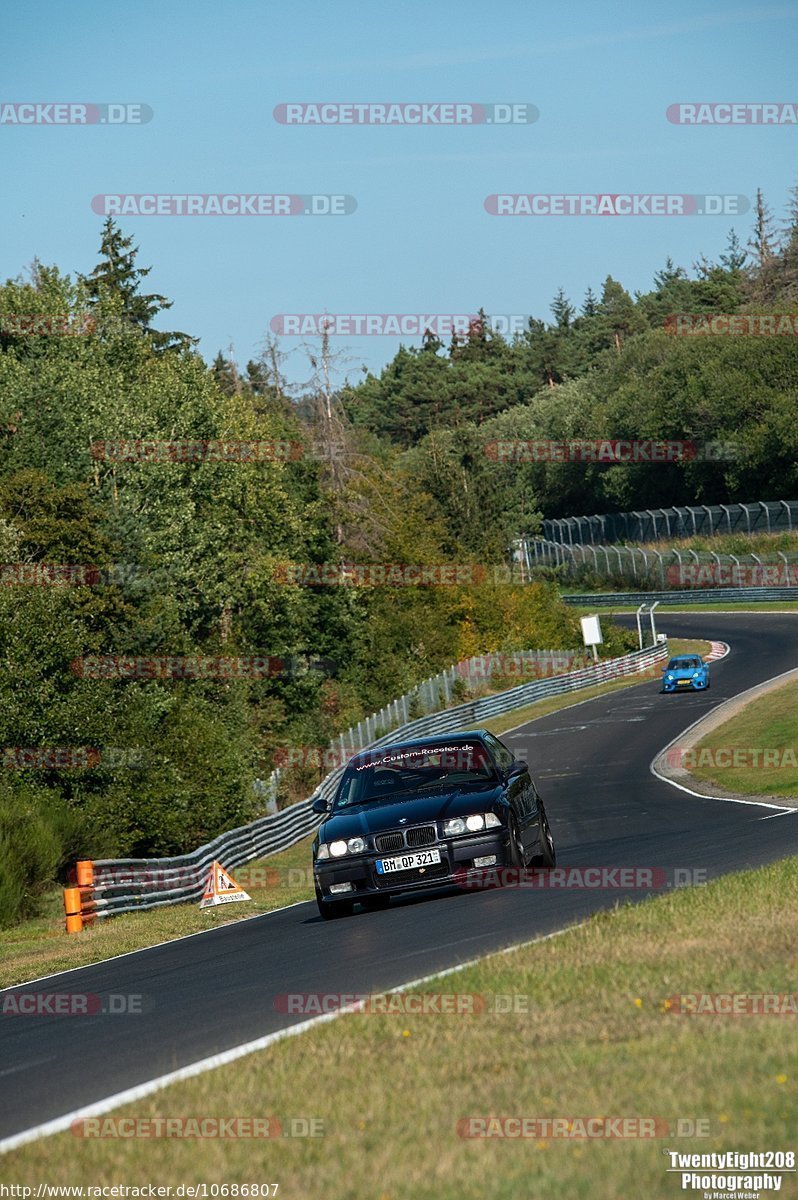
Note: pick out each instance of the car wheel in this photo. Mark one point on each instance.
(515, 852)
(331, 910)
(548, 857)
(375, 903)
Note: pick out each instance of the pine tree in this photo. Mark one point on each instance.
(117, 278)
(734, 257)
(763, 240)
(431, 343)
(590, 304)
(225, 373)
(668, 275)
(562, 310)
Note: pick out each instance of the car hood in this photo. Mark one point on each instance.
(359, 821)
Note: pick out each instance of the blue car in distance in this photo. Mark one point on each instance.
(685, 672)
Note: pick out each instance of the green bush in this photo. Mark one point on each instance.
(38, 839)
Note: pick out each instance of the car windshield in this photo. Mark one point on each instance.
(396, 770)
(684, 664)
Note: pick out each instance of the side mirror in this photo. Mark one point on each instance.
(516, 768)
(319, 805)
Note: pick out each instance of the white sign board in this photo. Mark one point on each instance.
(591, 630)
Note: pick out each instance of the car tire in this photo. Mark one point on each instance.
(375, 903)
(548, 857)
(515, 852)
(331, 910)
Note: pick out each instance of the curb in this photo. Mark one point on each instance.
(679, 776)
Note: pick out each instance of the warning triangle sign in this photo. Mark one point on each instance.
(221, 888)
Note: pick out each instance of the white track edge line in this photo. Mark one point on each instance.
(98, 1107)
(781, 810)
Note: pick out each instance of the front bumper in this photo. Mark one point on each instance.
(685, 685)
(457, 857)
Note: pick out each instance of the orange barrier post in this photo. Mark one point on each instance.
(74, 917)
(85, 873)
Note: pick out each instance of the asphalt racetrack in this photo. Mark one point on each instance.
(208, 993)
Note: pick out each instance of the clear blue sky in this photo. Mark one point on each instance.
(601, 75)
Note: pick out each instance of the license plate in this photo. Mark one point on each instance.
(407, 862)
(685, 682)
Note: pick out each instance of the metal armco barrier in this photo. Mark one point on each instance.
(109, 887)
(690, 596)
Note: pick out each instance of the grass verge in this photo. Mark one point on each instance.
(597, 1037)
(755, 752)
(41, 947)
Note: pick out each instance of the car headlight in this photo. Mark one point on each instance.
(453, 826)
(322, 852)
(338, 849)
(696, 674)
(472, 824)
(670, 678)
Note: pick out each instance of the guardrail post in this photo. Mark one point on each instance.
(72, 909)
(84, 872)
(789, 514)
(787, 571)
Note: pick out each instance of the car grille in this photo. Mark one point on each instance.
(422, 835)
(419, 835)
(435, 871)
(389, 841)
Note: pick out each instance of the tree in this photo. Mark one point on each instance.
(116, 278)
(225, 372)
(562, 310)
(589, 304)
(734, 256)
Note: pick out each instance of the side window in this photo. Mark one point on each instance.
(501, 754)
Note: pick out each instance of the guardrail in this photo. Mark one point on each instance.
(657, 524)
(691, 596)
(108, 887)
